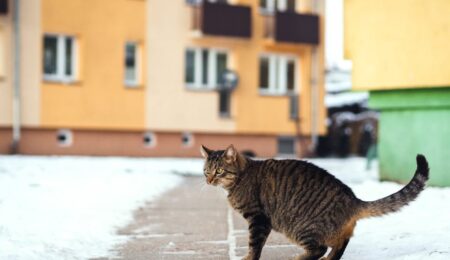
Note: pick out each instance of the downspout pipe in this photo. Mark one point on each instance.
(16, 109)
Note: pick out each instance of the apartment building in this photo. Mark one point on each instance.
(274, 47)
(80, 76)
(400, 54)
(147, 77)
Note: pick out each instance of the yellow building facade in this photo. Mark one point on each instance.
(414, 33)
(400, 53)
(104, 77)
(98, 96)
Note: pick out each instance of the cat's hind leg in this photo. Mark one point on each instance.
(337, 251)
(340, 241)
(314, 251)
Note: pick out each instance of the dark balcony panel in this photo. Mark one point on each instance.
(226, 20)
(3, 6)
(297, 28)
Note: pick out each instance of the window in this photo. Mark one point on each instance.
(190, 67)
(59, 58)
(269, 6)
(264, 72)
(286, 145)
(290, 74)
(132, 66)
(204, 67)
(278, 74)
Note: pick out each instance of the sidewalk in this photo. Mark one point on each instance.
(194, 223)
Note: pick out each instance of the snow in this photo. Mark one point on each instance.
(420, 230)
(347, 98)
(69, 207)
(334, 37)
(338, 79)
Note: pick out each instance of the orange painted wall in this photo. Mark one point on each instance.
(99, 98)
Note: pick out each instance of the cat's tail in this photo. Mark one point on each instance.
(394, 202)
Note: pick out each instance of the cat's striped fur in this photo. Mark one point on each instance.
(306, 203)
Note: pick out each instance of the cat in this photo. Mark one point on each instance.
(304, 202)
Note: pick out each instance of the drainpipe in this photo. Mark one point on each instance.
(16, 84)
(318, 8)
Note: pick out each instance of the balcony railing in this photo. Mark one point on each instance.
(292, 27)
(219, 19)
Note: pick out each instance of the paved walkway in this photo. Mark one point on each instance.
(191, 222)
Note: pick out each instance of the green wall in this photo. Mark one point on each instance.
(412, 122)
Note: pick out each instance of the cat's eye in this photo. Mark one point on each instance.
(220, 172)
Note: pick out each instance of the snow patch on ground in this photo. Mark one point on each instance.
(420, 230)
(70, 207)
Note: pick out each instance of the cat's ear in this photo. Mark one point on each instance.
(231, 154)
(205, 151)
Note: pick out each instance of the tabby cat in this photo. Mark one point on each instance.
(304, 202)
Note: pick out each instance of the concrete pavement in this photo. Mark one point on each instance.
(194, 222)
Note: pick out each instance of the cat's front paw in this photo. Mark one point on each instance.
(248, 257)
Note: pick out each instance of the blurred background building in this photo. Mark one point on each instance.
(146, 77)
(159, 78)
(400, 53)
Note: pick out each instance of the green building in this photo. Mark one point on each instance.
(400, 51)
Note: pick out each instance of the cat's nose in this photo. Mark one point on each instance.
(209, 179)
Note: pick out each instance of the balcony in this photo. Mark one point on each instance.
(3, 7)
(221, 19)
(291, 27)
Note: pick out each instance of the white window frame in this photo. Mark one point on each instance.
(272, 5)
(278, 74)
(138, 54)
(60, 75)
(211, 70)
